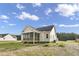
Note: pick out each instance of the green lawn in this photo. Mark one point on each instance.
(9, 45)
(66, 48)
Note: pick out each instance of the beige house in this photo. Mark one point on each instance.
(42, 34)
(7, 37)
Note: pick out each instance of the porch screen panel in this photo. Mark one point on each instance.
(36, 36)
(31, 35)
(24, 37)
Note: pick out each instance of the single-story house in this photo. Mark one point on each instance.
(7, 37)
(42, 34)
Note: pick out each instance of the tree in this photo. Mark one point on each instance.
(67, 36)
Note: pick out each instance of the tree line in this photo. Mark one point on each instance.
(67, 36)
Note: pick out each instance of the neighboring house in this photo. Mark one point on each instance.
(42, 34)
(7, 37)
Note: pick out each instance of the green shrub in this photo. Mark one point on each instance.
(46, 45)
(77, 41)
(50, 44)
(61, 44)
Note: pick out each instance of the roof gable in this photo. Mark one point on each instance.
(29, 29)
(3, 35)
(9, 35)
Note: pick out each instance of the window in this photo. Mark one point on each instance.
(46, 35)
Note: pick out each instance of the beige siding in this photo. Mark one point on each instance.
(43, 36)
(53, 35)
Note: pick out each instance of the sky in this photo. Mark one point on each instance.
(15, 16)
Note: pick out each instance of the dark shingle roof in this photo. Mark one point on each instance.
(46, 28)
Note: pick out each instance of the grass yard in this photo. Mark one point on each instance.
(61, 48)
(9, 45)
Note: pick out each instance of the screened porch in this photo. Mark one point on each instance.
(31, 37)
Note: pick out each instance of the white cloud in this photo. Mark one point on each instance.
(25, 15)
(11, 24)
(14, 13)
(5, 21)
(48, 11)
(4, 17)
(74, 18)
(69, 26)
(49, 24)
(77, 18)
(44, 25)
(55, 24)
(19, 6)
(67, 9)
(36, 4)
(71, 18)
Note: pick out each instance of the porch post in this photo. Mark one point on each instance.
(22, 37)
(33, 37)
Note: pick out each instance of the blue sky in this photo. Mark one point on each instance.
(15, 16)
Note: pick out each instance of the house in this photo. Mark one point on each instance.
(42, 34)
(7, 37)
